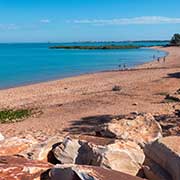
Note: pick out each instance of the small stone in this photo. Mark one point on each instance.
(135, 104)
(1, 137)
(116, 88)
(135, 113)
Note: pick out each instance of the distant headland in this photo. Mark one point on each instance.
(96, 47)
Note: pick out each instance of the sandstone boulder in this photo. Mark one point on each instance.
(77, 172)
(121, 156)
(41, 151)
(140, 129)
(14, 145)
(74, 151)
(166, 153)
(18, 168)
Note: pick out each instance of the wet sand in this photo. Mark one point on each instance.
(73, 101)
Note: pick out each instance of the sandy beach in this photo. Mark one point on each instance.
(73, 101)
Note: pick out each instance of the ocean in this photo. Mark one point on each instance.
(27, 63)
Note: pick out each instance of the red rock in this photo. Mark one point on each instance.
(13, 146)
(19, 168)
(75, 172)
(41, 150)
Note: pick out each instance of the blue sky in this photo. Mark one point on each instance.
(84, 20)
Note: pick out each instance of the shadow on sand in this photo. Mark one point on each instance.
(87, 125)
(174, 75)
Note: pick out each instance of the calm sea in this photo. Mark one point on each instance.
(26, 63)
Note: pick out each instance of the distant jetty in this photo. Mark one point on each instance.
(96, 47)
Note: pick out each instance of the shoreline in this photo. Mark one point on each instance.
(67, 101)
(161, 48)
(83, 74)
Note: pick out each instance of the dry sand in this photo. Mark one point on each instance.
(73, 101)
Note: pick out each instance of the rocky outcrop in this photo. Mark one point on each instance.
(140, 129)
(74, 172)
(165, 152)
(14, 145)
(122, 156)
(19, 168)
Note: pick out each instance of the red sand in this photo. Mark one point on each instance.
(72, 99)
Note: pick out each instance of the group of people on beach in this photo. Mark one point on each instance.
(124, 67)
(158, 59)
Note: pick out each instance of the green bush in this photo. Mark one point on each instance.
(10, 115)
(175, 41)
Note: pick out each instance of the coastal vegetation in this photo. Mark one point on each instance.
(175, 41)
(10, 115)
(96, 47)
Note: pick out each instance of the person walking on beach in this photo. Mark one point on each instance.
(164, 59)
(158, 59)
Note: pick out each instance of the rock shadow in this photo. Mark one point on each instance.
(87, 125)
(174, 75)
(170, 123)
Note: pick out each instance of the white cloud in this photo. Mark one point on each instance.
(8, 27)
(126, 21)
(45, 21)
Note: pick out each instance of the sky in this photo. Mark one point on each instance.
(88, 20)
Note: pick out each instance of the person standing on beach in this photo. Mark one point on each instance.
(158, 59)
(164, 59)
(124, 66)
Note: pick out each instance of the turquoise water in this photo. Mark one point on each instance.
(28, 63)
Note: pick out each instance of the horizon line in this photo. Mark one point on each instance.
(85, 41)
